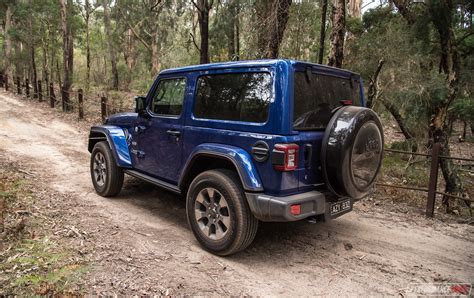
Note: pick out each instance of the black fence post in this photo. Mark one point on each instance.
(1, 80)
(103, 107)
(18, 85)
(52, 96)
(40, 91)
(27, 87)
(433, 179)
(80, 98)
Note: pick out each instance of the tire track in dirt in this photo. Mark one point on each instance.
(366, 251)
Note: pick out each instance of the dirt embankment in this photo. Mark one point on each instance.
(139, 243)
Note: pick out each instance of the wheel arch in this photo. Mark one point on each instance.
(214, 156)
(116, 139)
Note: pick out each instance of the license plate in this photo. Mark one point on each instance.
(340, 206)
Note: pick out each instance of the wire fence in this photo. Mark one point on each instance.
(75, 100)
(432, 188)
(69, 101)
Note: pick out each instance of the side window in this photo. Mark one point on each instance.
(168, 97)
(237, 96)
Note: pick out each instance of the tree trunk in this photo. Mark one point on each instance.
(237, 30)
(8, 46)
(275, 16)
(354, 8)
(88, 46)
(151, 46)
(19, 69)
(129, 56)
(336, 55)
(230, 31)
(58, 74)
(111, 48)
(155, 65)
(322, 35)
(34, 72)
(442, 15)
(398, 118)
(33, 75)
(45, 75)
(372, 90)
(68, 53)
(203, 8)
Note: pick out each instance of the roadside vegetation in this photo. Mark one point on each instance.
(33, 260)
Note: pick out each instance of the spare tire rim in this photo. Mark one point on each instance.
(212, 213)
(366, 156)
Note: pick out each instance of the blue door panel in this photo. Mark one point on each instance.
(155, 150)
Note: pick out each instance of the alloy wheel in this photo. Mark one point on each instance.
(100, 169)
(212, 213)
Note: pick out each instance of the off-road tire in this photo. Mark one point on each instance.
(113, 181)
(243, 225)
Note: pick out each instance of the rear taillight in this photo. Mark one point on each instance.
(285, 157)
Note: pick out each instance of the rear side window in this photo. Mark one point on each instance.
(316, 95)
(168, 97)
(236, 96)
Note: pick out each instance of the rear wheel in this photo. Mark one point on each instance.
(106, 176)
(218, 212)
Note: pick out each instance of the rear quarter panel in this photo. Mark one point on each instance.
(243, 134)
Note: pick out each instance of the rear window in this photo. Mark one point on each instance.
(236, 96)
(316, 95)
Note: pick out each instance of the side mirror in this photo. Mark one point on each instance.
(140, 105)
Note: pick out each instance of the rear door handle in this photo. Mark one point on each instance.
(174, 133)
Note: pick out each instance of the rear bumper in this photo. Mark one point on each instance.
(313, 203)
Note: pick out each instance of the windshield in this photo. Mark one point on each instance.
(317, 95)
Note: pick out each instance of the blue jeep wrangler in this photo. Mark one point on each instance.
(249, 141)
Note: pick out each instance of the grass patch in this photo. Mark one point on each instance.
(31, 262)
(396, 169)
(40, 266)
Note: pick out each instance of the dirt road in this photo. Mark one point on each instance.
(140, 241)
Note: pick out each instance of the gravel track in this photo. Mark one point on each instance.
(140, 242)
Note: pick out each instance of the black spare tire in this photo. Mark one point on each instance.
(352, 151)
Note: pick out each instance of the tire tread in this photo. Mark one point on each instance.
(249, 223)
(115, 174)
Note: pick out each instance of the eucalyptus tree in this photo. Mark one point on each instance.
(87, 9)
(203, 8)
(7, 22)
(144, 18)
(66, 9)
(272, 15)
(111, 46)
(338, 17)
(443, 16)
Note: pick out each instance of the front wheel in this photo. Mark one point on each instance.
(218, 212)
(106, 176)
